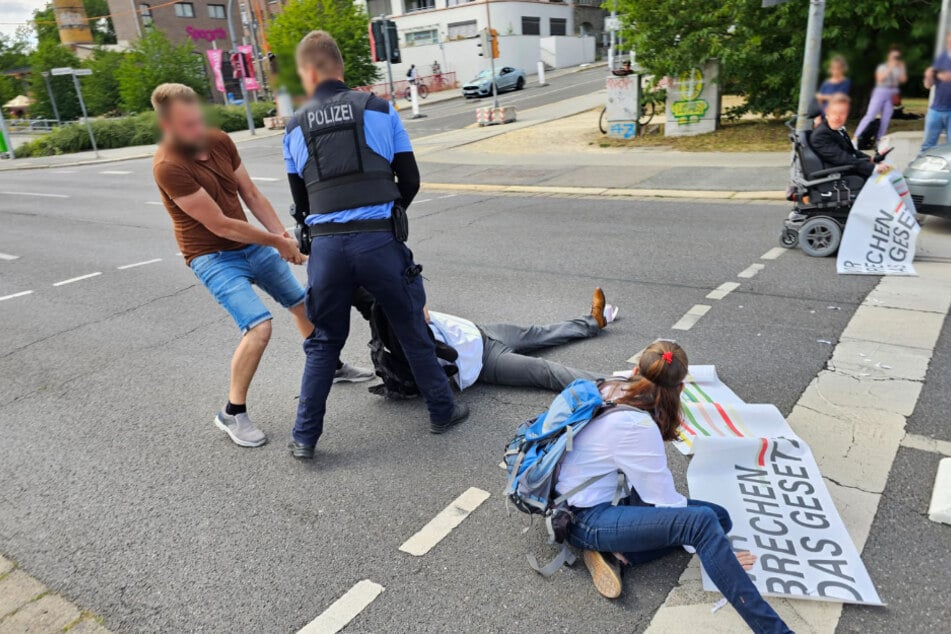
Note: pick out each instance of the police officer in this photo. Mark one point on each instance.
(352, 174)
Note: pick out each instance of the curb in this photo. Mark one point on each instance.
(612, 192)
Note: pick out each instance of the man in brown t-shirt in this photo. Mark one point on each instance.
(202, 182)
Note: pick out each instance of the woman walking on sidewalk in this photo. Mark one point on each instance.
(888, 77)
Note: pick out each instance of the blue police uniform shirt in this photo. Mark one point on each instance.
(385, 135)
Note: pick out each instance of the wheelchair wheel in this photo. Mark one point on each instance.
(819, 237)
(789, 238)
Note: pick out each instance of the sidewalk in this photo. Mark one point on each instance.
(26, 605)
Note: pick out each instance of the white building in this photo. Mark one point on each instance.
(557, 33)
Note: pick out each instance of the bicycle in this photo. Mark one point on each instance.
(648, 109)
(421, 89)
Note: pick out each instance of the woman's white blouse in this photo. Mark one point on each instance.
(621, 439)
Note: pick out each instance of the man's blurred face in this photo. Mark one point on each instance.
(837, 113)
(184, 125)
(309, 77)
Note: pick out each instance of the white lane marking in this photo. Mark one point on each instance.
(447, 196)
(773, 253)
(345, 609)
(440, 526)
(7, 256)
(34, 194)
(153, 202)
(63, 171)
(179, 253)
(264, 179)
(20, 294)
(923, 443)
(115, 172)
(723, 290)
(77, 279)
(691, 317)
(424, 200)
(132, 266)
(751, 270)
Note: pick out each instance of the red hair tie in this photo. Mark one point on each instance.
(668, 357)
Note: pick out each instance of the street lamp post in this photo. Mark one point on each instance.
(77, 73)
(491, 39)
(810, 61)
(244, 89)
(49, 91)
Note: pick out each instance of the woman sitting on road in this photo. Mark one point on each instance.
(655, 519)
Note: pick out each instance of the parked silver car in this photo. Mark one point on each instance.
(506, 78)
(929, 181)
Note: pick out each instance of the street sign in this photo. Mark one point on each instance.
(612, 23)
(82, 72)
(61, 71)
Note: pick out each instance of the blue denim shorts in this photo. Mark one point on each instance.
(230, 274)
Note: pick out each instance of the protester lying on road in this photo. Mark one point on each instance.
(655, 519)
(492, 353)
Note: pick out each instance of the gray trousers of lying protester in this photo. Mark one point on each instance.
(504, 361)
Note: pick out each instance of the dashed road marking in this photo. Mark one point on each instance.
(723, 290)
(135, 264)
(63, 171)
(345, 609)
(8, 257)
(424, 200)
(924, 443)
(691, 317)
(20, 294)
(77, 279)
(115, 172)
(264, 179)
(773, 253)
(153, 202)
(440, 526)
(751, 270)
(40, 195)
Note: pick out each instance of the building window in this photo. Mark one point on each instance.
(216, 11)
(558, 26)
(184, 10)
(382, 7)
(531, 26)
(454, 3)
(419, 5)
(146, 12)
(421, 38)
(461, 30)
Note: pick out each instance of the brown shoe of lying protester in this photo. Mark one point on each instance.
(597, 308)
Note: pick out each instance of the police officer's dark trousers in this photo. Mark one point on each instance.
(376, 261)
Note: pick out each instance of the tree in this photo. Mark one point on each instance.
(46, 56)
(343, 19)
(13, 58)
(760, 49)
(103, 31)
(155, 60)
(101, 89)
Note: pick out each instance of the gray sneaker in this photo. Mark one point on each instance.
(241, 429)
(352, 374)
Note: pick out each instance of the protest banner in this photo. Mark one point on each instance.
(782, 512)
(881, 230)
(702, 385)
(250, 79)
(729, 420)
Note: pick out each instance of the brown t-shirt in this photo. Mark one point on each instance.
(178, 175)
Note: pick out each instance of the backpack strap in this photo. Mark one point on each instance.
(584, 485)
(563, 558)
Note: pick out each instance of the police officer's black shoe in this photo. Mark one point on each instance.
(301, 451)
(459, 414)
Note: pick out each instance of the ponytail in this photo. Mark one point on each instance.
(656, 386)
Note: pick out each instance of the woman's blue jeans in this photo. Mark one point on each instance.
(643, 532)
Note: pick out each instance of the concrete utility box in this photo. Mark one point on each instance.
(623, 106)
(693, 101)
(495, 116)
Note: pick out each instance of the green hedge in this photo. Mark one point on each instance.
(140, 129)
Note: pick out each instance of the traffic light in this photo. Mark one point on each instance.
(378, 41)
(495, 44)
(484, 42)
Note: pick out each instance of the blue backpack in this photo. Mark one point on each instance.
(533, 456)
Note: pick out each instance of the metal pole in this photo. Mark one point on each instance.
(6, 135)
(810, 62)
(244, 89)
(613, 35)
(488, 23)
(389, 56)
(136, 18)
(49, 91)
(82, 106)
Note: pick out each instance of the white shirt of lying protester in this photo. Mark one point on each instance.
(463, 336)
(622, 439)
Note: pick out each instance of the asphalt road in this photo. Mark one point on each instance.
(119, 492)
(459, 113)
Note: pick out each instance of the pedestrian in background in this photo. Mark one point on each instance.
(836, 83)
(352, 173)
(889, 76)
(938, 76)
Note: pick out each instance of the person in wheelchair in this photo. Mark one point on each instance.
(832, 144)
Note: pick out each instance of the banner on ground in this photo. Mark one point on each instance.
(782, 512)
(729, 420)
(214, 60)
(880, 234)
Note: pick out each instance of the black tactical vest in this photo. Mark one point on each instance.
(341, 171)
